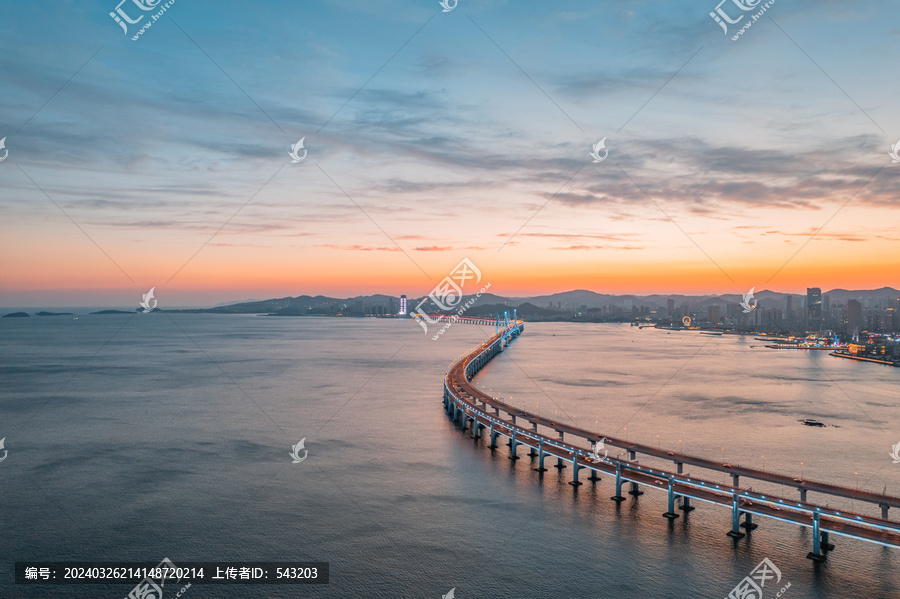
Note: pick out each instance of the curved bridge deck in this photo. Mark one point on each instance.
(472, 408)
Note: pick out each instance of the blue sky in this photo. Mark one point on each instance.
(448, 132)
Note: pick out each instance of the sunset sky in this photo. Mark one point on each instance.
(434, 137)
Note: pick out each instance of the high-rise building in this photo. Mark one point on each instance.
(714, 314)
(402, 306)
(670, 306)
(854, 317)
(814, 307)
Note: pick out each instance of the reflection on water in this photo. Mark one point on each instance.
(151, 436)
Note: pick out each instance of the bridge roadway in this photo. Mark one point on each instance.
(461, 399)
(484, 320)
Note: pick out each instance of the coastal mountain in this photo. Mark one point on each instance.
(542, 305)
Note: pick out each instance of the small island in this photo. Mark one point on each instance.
(16, 315)
(113, 312)
(55, 314)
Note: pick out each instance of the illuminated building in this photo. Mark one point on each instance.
(814, 307)
(402, 305)
(854, 317)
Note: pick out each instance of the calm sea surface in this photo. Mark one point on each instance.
(139, 437)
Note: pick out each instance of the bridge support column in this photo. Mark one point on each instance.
(671, 515)
(540, 467)
(593, 477)
(803, 495)
(685, 501)
(635, 490)
(464, 419)
(735, 531)
(735, 480)
(512, 447)
(748, 524)
(493, 444)
(575, 482)
(826, 546)
(884, 510)
(631, 455)
(618, 496)
(475, 427)
(816, 553)
(559, 462)
(533, 453)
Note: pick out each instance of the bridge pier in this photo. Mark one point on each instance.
(512, 447)
(635, 490)
(465, 418)
(826, 546)
(575, 482)
(493, 444)
(559, 461)
(884, 510)
(540, 467)
(748, 523)
(631, 455)
(671, 515)
(735, 480)
(802, 494)
(816, 553)
(532, 452)
(618, 496)
(685, 501)
(475, 427)
(735, 531)
(593, 477)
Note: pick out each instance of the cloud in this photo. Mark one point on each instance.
(358, 248)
